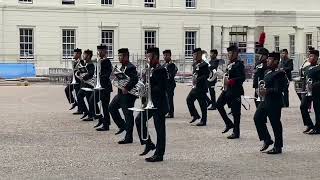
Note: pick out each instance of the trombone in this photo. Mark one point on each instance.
(148, 104)
(98, 87)
(73, 83)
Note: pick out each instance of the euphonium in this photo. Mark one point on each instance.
(121, 80)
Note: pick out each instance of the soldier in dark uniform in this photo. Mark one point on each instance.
(232, 92)
(200, 88)
(105, 72)
(123, 99)
(214, 64)
(158, 82)
(261, 67)
(275, 84)
(68, 90)
(286, 65)
(85, 73)
(311, 72)
(171, 84)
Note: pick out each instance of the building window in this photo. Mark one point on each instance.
(68, 43)
(107, 39)
(25, 1)
(292, 45)
(238, 37)
(150, 3)
(308, 41)
(106, 2)
(276, 43)
(68, 1)
(190, 43)
(150, 39)
(190, 3)
(26, 43)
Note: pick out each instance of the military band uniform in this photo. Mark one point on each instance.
(287, 66)
(232, 97)
(125, 101)
(214, 64)
(171, 85)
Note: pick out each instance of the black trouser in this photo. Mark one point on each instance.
(81, 104)
(316, 107)
(235, 105)
(170, 93)
(68, 91)
(105, 100)
(160, 126)
(201, 97)
(286, 97)
(124, 102)
(260, 120)
(304, 106)
(212, 94)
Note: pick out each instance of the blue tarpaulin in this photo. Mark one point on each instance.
(17, 70)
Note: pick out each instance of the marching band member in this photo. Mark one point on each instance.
(286, 64)
(158, 82)
(106, 69)
(232, 92)
(275, 83)
(214, 64)
(71, 87)
(310, 95)
(200, 88)
(123, 99)
(261, 67)
(171, 84)
(87, 74)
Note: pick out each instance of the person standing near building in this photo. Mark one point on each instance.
(286, 64)
(214, 64)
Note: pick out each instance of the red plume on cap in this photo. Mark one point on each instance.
(262, 38)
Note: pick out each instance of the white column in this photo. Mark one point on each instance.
(225, 38)
(250, 40)
(300, 41)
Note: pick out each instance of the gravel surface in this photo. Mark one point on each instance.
(41, 139)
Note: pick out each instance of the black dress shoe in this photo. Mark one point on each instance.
(233, 136)
(169, 116)
(99, 124)
(125, 141)
(194, 119)
(309, 128)
(275, 151)
(73, 106)
(77, 113)
(154, 158)
(88, 119)
(314, 132)
(201, 124)
(84, 115)
(266, 144)
(147, 149)
(120, 131)
(227, 128)
(212, 108)
(103, 128)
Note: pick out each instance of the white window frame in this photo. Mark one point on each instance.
(103, 41)
(148, 3)
(276, 43)
(309, 41)
(191, 1)
(74, 2)
(188, 51)
(292, 45)
(25, 1)
(236, 33)
(70, 56)
(26, 55)
(102, 4)
(147, 45)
